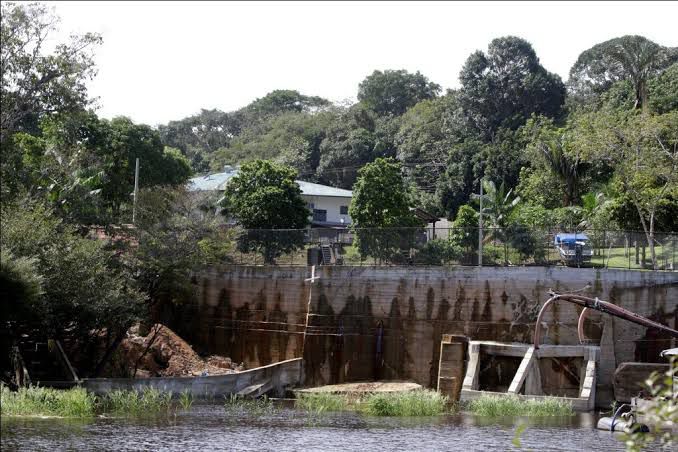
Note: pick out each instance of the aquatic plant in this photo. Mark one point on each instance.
(149, 401)
(256, 407)
(186, 400)
(39, 401)
(494, 406)
(320, 402)
(422, 402)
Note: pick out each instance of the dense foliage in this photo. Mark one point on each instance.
(264, 196)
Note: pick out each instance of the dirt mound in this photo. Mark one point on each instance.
(162, 353)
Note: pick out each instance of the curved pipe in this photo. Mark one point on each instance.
(580, 325)
(602, 306)
(537, 328)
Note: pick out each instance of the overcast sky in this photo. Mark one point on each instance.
(166, 60)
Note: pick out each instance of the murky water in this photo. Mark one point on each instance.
(209, 427)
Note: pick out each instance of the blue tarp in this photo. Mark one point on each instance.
(570, 238)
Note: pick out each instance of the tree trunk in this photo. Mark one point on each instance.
(109, 352)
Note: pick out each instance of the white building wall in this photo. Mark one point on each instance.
(332, 205)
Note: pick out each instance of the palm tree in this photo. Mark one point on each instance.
(567, 168)
(498, 204)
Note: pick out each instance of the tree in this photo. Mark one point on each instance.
(83, 293)
(551, 147)
(173, 238)
(663, 91)
(643, 150)
(265, 200)
(351, 142)
(392, 92)
(35, 83)
(633, 58)
(380, 210)
(498, 204)
(503, 88)
(425, 138)
(199, 136)
(283, 101)
(85, 166)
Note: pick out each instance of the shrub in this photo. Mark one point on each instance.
(496, 406)
(321, 401)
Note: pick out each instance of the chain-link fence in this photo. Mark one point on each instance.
(513, 246)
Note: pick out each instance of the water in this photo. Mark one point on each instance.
(209, 427)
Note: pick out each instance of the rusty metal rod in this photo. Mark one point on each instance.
(598, 305)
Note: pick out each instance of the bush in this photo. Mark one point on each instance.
(437, 252)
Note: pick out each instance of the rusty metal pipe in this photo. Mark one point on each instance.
(602, 306)
(537, 328)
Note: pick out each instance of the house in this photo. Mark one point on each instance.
(329, 205)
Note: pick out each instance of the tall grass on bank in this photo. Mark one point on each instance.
(38, 401)
(321, 401)
(150, 401)
(495, 406)
(411, 403)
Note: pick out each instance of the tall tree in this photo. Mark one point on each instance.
(643, 150)
(265, 200)
(505, 86)
(381, 217)
(36, 83)
(633, 58)
(392, 92)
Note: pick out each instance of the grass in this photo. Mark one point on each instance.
(494, 406)
(321, 402)
(150, 401)
(38, 401)
(186, 400)
(256, 407)
(411, 403)
(78, 403)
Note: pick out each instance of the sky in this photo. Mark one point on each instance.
(163, 61)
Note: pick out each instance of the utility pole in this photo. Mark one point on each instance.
(136, 191)
(480, 227)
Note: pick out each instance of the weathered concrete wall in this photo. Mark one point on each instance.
(369, 322)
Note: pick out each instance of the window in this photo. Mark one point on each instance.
(343, 210)
(319, 215)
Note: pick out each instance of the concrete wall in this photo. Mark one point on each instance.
(367, 322)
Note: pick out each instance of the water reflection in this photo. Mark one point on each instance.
(210, 427)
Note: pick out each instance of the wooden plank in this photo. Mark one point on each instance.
(629, 378)
(523, 369)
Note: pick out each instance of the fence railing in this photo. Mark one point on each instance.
(513, 246)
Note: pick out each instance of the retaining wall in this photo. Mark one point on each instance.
(370, 323)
